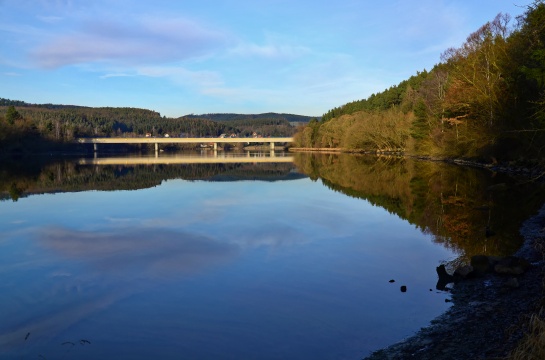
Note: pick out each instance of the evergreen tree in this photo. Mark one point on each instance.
(12, 114)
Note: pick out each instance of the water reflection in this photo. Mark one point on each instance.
(213, 157)
(470, 211)
(25, 177)
(138, 252)
(203, 261)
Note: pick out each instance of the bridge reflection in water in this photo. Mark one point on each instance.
(205, 158)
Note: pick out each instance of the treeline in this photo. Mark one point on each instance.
(247, 127)
(265, 116)
(24, 126)
(484, 99)
(8, 102)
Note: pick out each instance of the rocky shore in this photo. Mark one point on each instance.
(489, 312)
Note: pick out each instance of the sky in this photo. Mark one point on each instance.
(226, 56)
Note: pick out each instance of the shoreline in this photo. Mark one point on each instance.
(534, 172)
(488, 318)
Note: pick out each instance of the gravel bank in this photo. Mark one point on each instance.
(487, 318)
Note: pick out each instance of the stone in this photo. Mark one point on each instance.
(392, 281)
(480, 264)
(512, 283)
(463, 271)
(493, 260)
(512, 265)
(444, 278)
(403, 288)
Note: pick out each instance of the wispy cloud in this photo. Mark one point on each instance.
(270, 51)
(49, 19)
(114, 75)
(200, 79)
(140, 42)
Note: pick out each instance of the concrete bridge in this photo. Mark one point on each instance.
(173, 140)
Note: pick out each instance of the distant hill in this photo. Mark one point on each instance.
(36, 124)
(219, 117)
(291, 118)
(19, 103)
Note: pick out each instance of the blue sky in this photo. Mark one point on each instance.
(242, 56)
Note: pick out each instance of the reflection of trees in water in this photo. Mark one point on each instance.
(68, 176)
(470, 211)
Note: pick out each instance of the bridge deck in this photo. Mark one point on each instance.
(173, 140)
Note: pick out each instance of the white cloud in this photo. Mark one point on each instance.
(49, 19)
(182, 76)
(270, 51)
(113, 75)
(145, 41)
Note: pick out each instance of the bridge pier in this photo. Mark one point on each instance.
(215, 146)
(272, 146)
(95, 147)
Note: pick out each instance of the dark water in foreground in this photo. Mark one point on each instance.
(238, 260)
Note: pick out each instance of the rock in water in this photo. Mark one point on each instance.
(444, 278)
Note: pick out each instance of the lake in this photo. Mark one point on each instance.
(239, 256)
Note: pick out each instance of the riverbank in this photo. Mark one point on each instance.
(348, 151)
(489, 317)
(531, 170)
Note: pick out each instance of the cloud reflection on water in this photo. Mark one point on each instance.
(116, 264)
(142, 252)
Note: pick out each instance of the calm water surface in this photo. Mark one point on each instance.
(219, 261)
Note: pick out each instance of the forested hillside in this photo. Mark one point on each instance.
(265, 116)
(23, 125)
(484, 99)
